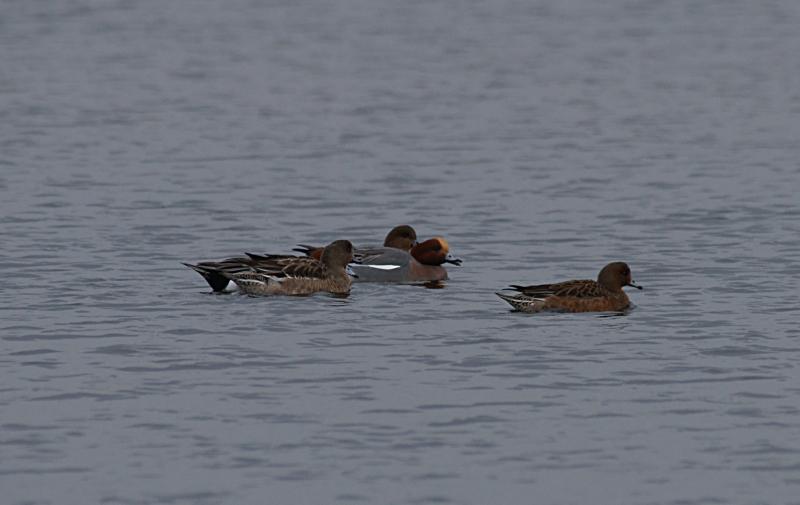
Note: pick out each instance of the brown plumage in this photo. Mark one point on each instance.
(401, 237)
(281, 274)
(603, 295)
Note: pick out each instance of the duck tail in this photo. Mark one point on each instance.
(519, 302)
(305, 249)
(216, 278)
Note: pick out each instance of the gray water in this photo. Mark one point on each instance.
(543, 139)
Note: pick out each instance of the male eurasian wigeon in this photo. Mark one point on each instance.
(603, 295)
(401, 259)
(281, 274)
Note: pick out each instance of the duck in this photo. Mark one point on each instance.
(275, 274)
(603, 295)
(401, 259)
(402, 237)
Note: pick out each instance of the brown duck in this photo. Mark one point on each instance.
(603, 295)
(280, 274)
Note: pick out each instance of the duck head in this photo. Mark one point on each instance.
(401, 237)
(337, 254)
(616, 275)
(434, 251)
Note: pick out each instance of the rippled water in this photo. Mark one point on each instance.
(543, 139)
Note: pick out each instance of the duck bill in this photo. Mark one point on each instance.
(350, 272)
(634, 285)
(453, 260)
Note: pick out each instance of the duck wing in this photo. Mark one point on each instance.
(381, 257)
(572, 289)
(281, 266)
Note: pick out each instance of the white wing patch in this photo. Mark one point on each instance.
(380, 267)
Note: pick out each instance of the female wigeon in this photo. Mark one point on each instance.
(400, 237)
(401, 259)
(603, 295)
(281, 274)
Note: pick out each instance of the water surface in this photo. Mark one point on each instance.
(542, 139)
